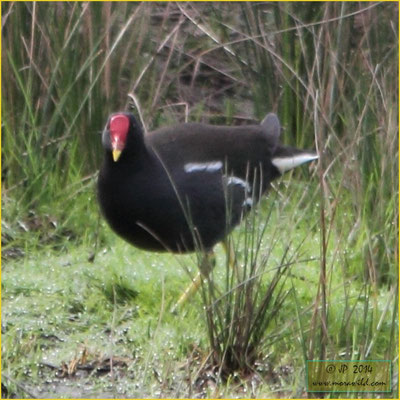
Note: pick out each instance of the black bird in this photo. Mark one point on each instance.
(185, 187)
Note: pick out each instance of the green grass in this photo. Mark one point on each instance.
(56, 303)
(329, 70)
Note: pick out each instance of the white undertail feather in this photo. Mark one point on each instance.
(287, 163)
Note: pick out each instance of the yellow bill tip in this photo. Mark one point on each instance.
(116, 154)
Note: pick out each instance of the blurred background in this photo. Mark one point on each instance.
(330, 72)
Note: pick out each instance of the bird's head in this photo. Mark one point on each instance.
(121, 130)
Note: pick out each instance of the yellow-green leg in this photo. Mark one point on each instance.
(189, 291)
(230, 252)
(207, 265)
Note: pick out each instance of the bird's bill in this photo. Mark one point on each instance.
(119, 127)
(116, 154)
(117, 146)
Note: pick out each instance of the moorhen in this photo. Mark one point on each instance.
(185, 187)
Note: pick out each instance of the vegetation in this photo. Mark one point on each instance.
(316, 277)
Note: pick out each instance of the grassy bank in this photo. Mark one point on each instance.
(84, 314)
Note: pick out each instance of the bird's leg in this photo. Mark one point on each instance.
(230, 252)
(207, 264)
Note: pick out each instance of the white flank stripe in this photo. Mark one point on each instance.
(287, 163)
(234, 180)
(207, 167)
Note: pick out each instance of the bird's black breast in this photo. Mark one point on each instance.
(175, 209)
(187, 188)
